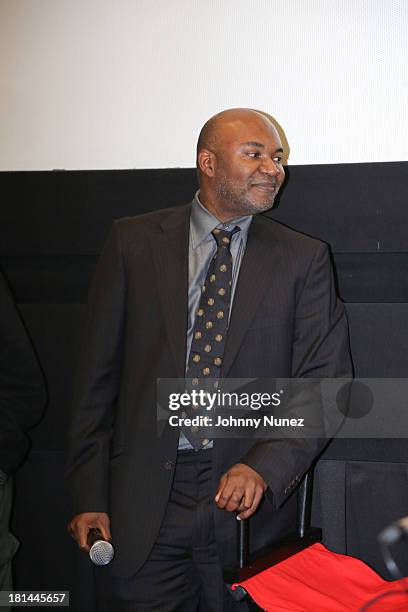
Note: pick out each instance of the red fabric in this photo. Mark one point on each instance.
(318, 580)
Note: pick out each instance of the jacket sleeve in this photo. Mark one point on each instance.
(320, 350)
(97, 382)
(22, 387)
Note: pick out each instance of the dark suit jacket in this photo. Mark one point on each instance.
(285, 321)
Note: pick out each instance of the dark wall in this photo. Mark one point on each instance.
(52, 230)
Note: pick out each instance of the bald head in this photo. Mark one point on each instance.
(211, 134)
(239, 163)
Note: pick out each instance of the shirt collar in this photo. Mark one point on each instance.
(202, 223)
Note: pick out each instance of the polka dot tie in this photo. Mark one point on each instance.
(211, 325)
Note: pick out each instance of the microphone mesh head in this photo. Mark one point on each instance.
(101, 552)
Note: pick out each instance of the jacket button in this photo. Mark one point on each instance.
(168, 465)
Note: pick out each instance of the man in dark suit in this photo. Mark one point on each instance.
(157, 310)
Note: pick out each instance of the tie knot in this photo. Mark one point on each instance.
(222, 237)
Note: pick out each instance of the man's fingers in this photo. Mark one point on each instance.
(256, 501)
(241, 490)
(82, 536)
(236, 495)
(79, 531)
(223, 481)
(223, 497)
(234, 501)
(230, 496)
(106, 534)
(247, 500)
(81, 524)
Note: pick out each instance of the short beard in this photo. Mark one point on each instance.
(240, 201)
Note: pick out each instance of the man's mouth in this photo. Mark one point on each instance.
(266, 186)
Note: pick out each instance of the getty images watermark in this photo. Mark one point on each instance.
(218, 402)
(298, 408)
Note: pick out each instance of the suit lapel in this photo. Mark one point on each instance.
(260, 259)
(171, 259)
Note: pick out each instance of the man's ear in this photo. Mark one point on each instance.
(206, 162)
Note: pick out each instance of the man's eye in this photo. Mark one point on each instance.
(254, 154)
(278, 160)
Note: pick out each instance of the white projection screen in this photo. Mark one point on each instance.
(95, 84)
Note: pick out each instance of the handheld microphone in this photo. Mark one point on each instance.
(101, 552)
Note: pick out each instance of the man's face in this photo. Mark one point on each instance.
(249, 169)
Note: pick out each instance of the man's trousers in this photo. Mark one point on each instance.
(183, 572)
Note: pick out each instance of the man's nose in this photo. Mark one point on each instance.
(270, 166)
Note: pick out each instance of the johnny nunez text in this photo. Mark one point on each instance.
(230, 421)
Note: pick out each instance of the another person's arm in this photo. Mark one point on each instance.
(22, 388)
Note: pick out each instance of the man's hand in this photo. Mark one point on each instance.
(240, 489)
(80, 525)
